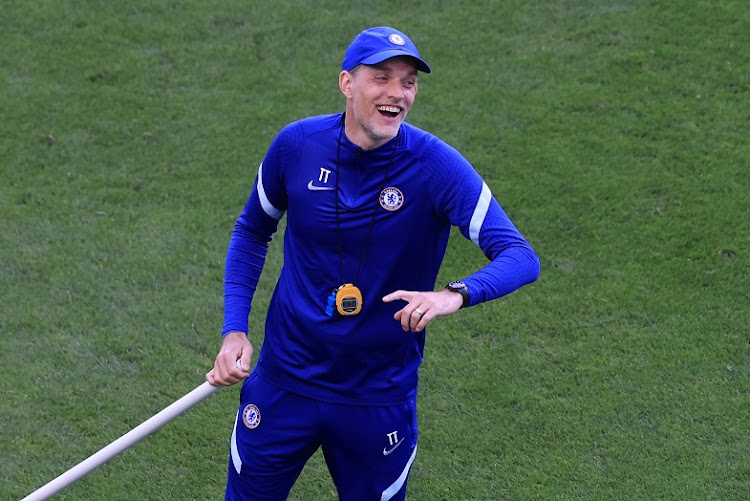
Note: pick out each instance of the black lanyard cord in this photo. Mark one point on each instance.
(340, 247)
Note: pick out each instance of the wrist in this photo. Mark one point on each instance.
(232, 333)
(460, 288)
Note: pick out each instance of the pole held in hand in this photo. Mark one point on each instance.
(132, 437)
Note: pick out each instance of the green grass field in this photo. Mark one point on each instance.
(615, 133)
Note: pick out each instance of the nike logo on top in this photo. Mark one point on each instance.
(386, 452)
(312, 187)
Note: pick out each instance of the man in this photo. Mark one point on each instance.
(369, 200)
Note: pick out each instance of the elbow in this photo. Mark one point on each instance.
(534, 267)
(537, 267)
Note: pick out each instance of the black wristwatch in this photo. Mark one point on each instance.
(461, 288)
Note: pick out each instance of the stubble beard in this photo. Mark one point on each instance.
(376, 132)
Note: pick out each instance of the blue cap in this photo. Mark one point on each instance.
(375, 45)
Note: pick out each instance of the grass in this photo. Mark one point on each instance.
(614, 133)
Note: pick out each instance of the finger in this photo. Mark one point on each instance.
(411, 316)
(423, 321)
(226, 373)
(402, 318)
(243, 364)
(216, 380)
(406, 313)
(235, 373)
(228, 362)
(399, 294)
(415, 318)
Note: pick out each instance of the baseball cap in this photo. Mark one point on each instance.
(375, 45)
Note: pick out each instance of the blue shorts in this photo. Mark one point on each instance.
(369, 450)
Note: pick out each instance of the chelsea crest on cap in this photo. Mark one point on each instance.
(375, 45)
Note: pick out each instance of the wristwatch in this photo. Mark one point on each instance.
(461, 288)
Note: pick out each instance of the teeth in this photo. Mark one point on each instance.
(389, 109)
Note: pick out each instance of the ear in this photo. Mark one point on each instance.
(346, 81)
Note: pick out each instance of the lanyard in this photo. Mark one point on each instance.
(339, 246)
(347, 298)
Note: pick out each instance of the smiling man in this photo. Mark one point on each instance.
(378, 99)
(370, 200)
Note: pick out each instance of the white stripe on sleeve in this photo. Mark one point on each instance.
(480, 212)
(268, 207)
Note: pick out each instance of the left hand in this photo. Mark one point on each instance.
(422, 307)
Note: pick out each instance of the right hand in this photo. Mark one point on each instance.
(232, 364)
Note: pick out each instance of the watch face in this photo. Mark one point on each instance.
(461, 288)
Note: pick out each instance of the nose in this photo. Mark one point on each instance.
(394, 89)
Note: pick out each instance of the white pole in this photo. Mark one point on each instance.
(129, 439)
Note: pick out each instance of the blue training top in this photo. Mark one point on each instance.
(365, 359)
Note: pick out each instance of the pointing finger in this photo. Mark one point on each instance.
(399, 294)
